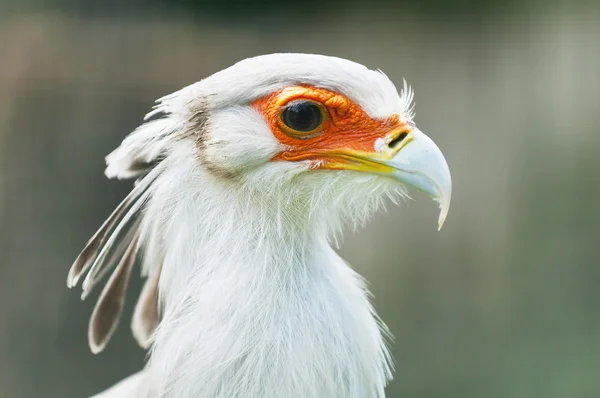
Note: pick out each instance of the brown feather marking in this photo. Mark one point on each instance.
(197, 127)
(109, 307)
(146, 316)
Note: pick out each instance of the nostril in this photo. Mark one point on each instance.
(396, 141)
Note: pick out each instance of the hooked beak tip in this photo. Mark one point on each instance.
(420, 164)
(444, 207)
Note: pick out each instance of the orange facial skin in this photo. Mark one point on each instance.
(348, 134)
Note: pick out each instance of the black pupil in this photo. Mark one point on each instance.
(302, 116)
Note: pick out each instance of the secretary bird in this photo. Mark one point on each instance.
(244, 180)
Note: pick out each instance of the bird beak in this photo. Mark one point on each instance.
(419, 163)
(414, 160)
(403, 153)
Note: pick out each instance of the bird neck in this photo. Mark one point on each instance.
(257, 304)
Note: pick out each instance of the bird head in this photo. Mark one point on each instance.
(299, 137)
(314, 130)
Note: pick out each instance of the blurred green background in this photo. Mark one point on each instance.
(502, 303)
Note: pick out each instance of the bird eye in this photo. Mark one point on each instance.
(302, 119)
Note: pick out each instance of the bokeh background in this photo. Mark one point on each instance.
(502, 303)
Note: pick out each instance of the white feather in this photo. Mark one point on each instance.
(134, 386)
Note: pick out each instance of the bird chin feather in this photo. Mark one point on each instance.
(331, 199)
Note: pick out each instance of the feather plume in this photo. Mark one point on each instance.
(119, 239)
(146, 315)
(98, 243)
(109, 307)
(141, 150)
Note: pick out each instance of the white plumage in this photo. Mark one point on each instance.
(245, 296)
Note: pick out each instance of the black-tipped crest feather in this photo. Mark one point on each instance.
(96, 244)
(146, 315)
(109, 307)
